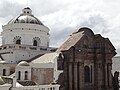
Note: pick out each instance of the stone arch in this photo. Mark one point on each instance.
(36, 41)
(87, 74)
(26, 75)
(19, 75)
(17, 40)
(4, 72)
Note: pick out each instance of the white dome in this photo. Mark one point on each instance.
(26, 17)
(3, 62)
(27, 28)
(23, 63)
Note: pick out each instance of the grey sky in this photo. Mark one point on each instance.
(65, 16)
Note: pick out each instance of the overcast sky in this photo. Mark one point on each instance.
(66, 16)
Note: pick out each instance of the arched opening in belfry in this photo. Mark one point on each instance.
(35, 43)
(26, 75)
(4, 72)
(87, 74)
(18, 41)
(19, 75)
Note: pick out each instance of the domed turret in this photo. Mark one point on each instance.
(23, 63)
(26, 17)
(3, 62)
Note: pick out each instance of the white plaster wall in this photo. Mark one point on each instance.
(56, 71)
(4, 67)
(26, 31)
(23, 69)
(40, 87)
(5, 87)
(17, 55)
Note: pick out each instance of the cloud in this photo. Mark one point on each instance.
(96, 22)
(8, 8)
(64, 16)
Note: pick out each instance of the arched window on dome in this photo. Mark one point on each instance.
(22, 21)
(36, 41)
(17, 40)
(19, 75)
(87, 74)
(26, 75)
(32, 21)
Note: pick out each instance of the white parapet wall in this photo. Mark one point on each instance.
(40, 87)
(5, 87)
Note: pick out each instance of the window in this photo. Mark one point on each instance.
(26, 75)
(4, 72)
(19, 75)
(18, 42)
(60, 62)
(34, 43)
(32, 21)
(85, 42)
(87, 74)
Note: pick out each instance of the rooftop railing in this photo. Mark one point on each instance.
(24, 47)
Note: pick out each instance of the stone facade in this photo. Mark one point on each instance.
(42, 76)
(87, 62)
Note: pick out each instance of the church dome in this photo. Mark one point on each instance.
(23, 63)
(26, 17)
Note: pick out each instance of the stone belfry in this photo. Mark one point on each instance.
(87, 62)
(23, 38)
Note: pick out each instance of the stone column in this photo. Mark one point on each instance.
(75, 76)
(14, 81)
(70, 76)
(110, 74)
(81, 75)
(106, 79)
(22, 75)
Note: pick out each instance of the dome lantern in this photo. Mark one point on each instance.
(27, 11)
(26, 17)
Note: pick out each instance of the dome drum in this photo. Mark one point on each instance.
(25, 26)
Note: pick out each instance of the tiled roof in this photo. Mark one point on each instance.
(46, 58)
(27, 83)
(1, 81)
(72, 40)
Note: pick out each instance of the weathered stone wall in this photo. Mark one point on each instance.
(93, 51)
(42, 75)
